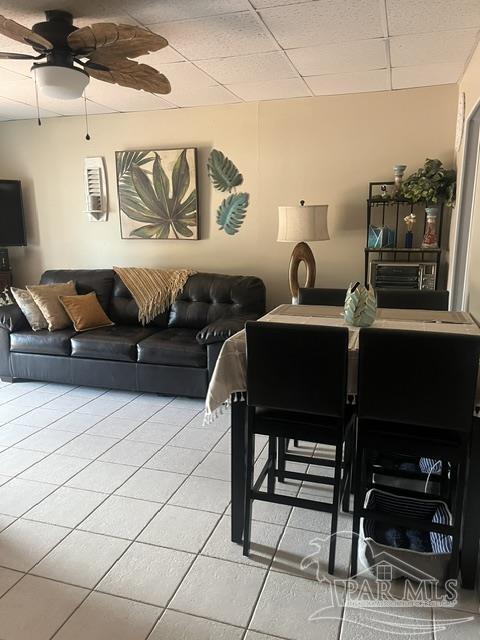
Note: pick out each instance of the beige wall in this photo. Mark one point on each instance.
(324, 150)
(470, 85)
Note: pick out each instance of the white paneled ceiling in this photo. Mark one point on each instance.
(228, 51)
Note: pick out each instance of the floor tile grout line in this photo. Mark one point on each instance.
(132, 542)
(221, 435)
(102, 502)
(56, 488)
(187, 572)
(268, 571)
(38, 429)
(77, 436)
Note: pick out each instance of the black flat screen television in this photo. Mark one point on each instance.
(12, 224)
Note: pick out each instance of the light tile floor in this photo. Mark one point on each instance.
(115, 525)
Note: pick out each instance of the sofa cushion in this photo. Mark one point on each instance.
(124, 310)
(86, 281)
(52, 343)
(209, 296)
(110, 343)
(177, 347)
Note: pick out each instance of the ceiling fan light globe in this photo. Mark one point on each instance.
(63, 83)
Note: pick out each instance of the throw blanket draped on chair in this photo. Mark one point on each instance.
(154, 290)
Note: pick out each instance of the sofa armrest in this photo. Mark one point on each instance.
(222, 328)
(12, 318)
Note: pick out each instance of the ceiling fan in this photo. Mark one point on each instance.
(72, 55)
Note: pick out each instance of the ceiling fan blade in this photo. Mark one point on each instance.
(122, 40)
(128, 73)
(18, 32)
(93, 65)
(5, 55)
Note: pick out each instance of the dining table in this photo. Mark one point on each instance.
(228, 387)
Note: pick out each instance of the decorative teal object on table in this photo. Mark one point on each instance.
(360, 305)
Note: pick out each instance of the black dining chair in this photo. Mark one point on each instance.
(412, 299)
(327, 297)
(416, 397)
(296, 388)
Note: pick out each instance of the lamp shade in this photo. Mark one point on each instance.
(298, 224)
(66, 83)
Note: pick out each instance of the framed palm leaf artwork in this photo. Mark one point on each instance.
(157, 194)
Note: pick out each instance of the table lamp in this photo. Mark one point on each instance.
(299, 224)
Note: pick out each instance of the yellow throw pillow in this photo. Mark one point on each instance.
(85, 312)
(46, 299)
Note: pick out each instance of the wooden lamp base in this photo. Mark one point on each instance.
(301, 253)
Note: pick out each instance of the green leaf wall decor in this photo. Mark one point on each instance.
(222, 172)
(231, 213)
(158, 189)
(225, 177)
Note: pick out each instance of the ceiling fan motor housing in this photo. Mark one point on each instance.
(56, 29)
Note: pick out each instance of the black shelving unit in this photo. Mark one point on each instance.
(390, 212)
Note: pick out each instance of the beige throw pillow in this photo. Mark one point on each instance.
(46, 297)
(29, 308)
(85, 312)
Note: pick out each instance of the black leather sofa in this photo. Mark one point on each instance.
(175, 354)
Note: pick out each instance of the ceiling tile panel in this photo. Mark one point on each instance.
(271, 90)
(122, 98)
(152, 11)
(11, 110)
(253, 68)
(84, 12)
(185, 74)
(339, 58)
(232, 34)
(191, 97)
(427, 16)
(358, 82)
(22, 67)
(324, 22)
(426, 75)
(432, 48)
(164, 56)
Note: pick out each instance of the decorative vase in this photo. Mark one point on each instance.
(360, 308)
(398, 172)
(430, 240)
(408, 239)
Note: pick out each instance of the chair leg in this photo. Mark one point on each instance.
(457, 511)
(348, 471)
(357, 505)
(272, 460)
(282, 448)
(444, 483)
(336, 505)
(249, 474)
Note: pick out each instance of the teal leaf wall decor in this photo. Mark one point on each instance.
(225, 177)
(231, 213)
(222, 172)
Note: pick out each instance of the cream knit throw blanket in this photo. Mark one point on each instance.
(154, 290)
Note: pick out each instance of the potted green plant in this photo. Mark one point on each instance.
(431, 184)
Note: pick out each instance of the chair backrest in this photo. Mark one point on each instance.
(327, 297)
(297, 367)
(412, 299)
(419, 378)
